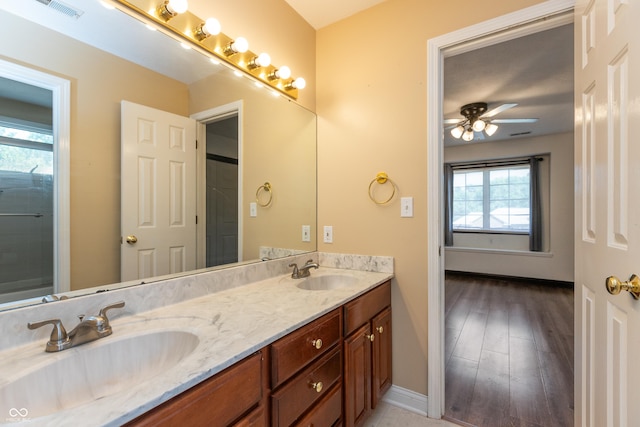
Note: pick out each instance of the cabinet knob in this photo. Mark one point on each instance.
(370, 337)
(380, 329)
(317, 343)
(317, 386)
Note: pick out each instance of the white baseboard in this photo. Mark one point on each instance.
(406, 399)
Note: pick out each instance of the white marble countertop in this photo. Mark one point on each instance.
(230, 325)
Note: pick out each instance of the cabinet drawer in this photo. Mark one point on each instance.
(256, 418)
(295, 397)
(296, 350)
(361, 310)
(326, 412)
(219, 400)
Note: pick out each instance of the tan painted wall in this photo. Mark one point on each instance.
(278, 143)
(372, 108)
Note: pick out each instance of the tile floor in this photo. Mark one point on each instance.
(387, 415)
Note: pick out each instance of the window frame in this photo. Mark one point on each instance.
(486, 168)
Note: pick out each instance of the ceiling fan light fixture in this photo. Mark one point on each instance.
(490, 129)
(457, 131)
(479, 125)
(468, 135)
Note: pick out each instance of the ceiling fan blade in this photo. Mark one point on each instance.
(451, 121)
(498, 110)
(514, 120)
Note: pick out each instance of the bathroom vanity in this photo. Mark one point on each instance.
(247, 346)
(301, 378)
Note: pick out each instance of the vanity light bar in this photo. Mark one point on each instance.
(185, 27)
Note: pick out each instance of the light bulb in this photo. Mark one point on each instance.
(283, 72)
(211, 27)
(170, 8)
(262, 60)
(468, 135)
(490, 129)
(479, 125)
(299, 83)
(177, 6)
(240, 45)
(457, 131)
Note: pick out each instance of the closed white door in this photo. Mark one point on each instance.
(158, 212)
(607, 70)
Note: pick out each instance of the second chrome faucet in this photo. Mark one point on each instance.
(90, 328)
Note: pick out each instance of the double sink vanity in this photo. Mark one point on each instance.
(248, 345)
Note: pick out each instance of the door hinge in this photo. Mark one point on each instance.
(196, 144)
(196, 219)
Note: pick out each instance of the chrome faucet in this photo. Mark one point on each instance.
(90, 328)
(299, 273)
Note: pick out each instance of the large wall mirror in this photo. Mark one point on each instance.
(109, 57)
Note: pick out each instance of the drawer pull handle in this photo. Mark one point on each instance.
(317, 343)
(370, 337)
(317, 386)
(380, 329)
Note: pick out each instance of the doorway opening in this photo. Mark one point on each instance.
(34, 183)
(513, 25)
(222, 191)
(219, 180)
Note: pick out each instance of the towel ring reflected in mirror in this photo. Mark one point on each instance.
(264, 188)
(381, 179)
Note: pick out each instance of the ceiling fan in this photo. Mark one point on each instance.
(477, 119)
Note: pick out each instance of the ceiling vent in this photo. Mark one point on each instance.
(60, 7)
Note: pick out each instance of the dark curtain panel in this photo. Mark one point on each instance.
(448, 205)
(535, 234)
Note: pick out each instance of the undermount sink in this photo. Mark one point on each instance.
(327, 282)
(91, 372)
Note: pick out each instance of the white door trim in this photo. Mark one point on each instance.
(488, 30)
(61, 110)
(203, 118)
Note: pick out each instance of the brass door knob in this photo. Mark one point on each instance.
(317, 386)
(615, 285)
(317, 343)
(370, 337)
(380, 329)
(131, 239)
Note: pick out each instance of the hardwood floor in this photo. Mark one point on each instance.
(508, 352)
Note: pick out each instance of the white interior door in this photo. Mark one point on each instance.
(158, 212)
(607, 230)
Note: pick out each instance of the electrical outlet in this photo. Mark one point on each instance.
(328, 234)
(253, 209)
(306, 233)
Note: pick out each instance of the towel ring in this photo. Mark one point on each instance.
(266, 187)
(382, 178)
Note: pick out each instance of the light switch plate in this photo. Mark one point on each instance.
(406, 207)
(306, 233)
(253, 209)
(328, 234)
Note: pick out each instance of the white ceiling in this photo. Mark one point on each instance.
(322, 13)
(534, 71)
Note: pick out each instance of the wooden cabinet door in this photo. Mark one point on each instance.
(381, 359)
(357, 376)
